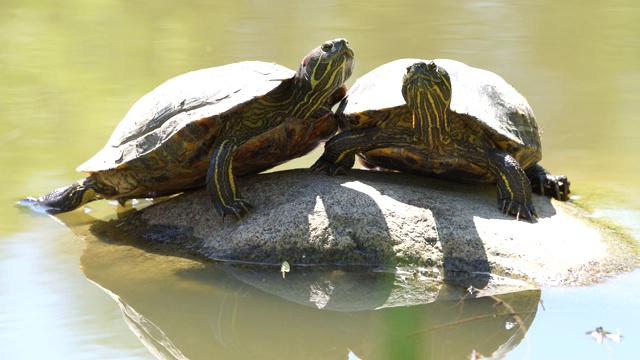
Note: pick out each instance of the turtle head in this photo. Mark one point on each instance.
(428, 78)
(326, 67)
(426, 87)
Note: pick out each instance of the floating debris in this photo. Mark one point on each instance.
(599, 334)
(471, 290)
(475, 355)
(285, 268)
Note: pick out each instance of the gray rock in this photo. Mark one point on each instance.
(391, 220)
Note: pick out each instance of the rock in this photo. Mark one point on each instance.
(389, 219)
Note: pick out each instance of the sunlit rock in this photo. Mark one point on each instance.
(389, 219)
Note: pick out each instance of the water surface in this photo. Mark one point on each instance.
(69, 73)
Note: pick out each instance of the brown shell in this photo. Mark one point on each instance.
(478, 94)
(183, 101)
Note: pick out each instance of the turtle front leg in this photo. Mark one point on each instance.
(514, 188)
(340, 151)
(221, 182)
(554, 186)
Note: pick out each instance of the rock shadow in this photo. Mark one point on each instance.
(458, 248)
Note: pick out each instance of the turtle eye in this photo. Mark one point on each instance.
(432, 66)
(327, 46)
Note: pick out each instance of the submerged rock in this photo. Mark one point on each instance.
(389, 219)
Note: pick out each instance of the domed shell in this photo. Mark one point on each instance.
(480, 94)
(160, 114)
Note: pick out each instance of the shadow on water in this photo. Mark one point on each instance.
(183, 306)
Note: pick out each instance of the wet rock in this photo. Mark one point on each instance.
(389, 219)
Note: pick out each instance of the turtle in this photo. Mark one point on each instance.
(446, 119)
(206, 127)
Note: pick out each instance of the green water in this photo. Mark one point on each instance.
(70, 71)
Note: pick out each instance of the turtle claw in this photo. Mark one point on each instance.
(237, 208)
(543, 183)
(553, 186)
(328, 167)
(513, 207)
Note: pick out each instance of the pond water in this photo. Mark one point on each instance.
(70, 71)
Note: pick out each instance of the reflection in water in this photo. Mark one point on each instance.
(185, 307)
(149, 334)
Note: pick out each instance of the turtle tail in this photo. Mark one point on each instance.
(66, 198)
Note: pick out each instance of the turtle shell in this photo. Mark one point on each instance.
(181, 101)
(477, 94)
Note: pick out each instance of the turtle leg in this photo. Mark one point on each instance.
(514, 188)
(340, 151)
(68, 198)
(221, 182)
(542, 182)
